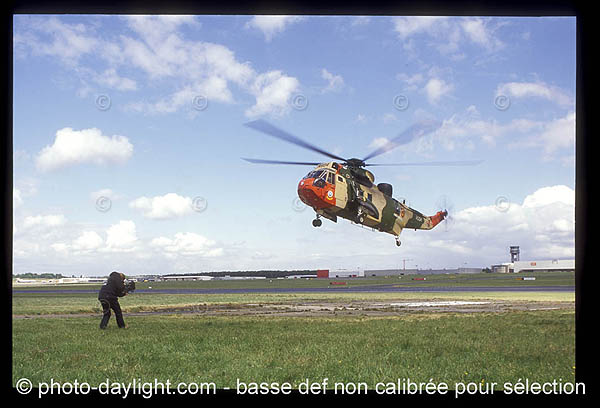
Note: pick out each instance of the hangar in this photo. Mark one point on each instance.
(547, 266)
(186, 277)
(535, 266)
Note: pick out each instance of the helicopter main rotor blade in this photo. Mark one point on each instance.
(279, 162)
(414, 132)
(266, 127)
(438, 163)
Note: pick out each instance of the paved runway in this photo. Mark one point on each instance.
(350, 289)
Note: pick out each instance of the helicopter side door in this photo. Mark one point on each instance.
(341, 191)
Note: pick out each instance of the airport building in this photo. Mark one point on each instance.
(341, 273)
(412, 271)
(185, 278)
(535, 266)
(367, 273)
(516, 265)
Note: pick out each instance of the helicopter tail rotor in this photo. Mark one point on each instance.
(446, 209)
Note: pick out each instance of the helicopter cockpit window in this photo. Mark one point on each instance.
(314, 174)
(330, 177)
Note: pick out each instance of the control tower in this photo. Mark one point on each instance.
(514, 253)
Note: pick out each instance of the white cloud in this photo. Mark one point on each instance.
(543, 225)
(68, 42)
(559, 134)
(157, 48)
(111, 79)
(121, 237)
(44, 221)
(273, 91)
(436, 88)
(154, 28)
(88, 240)
(411, 81)
(187, 243)
(378, 142)
(447, 34)
(206, 69)
(550, 195)
(477, 32)
(272, 25)
(83, 146)
(334, 82)
(409, 26)
(536, 90)
(553, 136)
(170, 205)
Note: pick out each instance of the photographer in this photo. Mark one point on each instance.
(111, 290)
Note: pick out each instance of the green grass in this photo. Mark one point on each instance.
(446, 348)
(443, 347)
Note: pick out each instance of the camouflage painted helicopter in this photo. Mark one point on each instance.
(344, 188)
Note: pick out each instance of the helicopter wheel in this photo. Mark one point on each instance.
(317, 222)
(360, 217)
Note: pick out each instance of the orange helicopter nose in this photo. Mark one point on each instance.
(316, 193)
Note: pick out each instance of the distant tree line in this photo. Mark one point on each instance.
(39, 276)
(266, 274)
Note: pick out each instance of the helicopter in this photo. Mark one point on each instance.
(345, 188)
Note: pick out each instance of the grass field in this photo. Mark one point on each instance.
(453, 348)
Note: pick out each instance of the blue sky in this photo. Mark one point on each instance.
(128, 133)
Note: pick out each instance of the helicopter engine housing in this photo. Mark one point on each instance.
(385, 188)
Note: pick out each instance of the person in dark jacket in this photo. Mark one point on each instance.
(109, 295)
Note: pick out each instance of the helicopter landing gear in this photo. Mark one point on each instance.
(317, 222)
(360, 217)
(398, 243)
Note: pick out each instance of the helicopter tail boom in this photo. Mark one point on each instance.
(437, 218)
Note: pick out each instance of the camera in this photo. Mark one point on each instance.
(129, 286)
